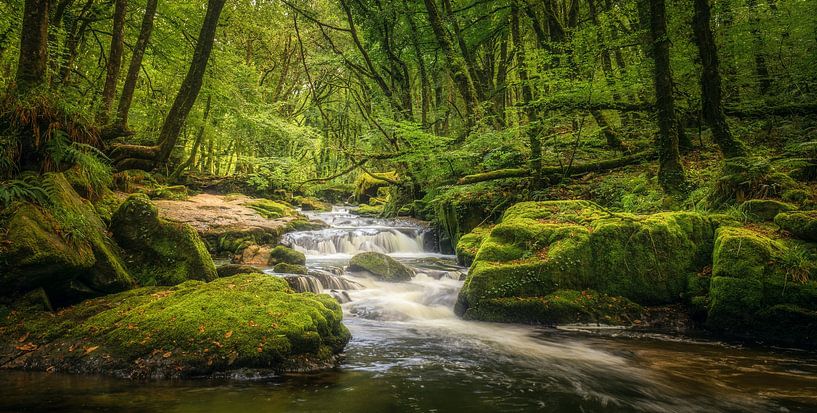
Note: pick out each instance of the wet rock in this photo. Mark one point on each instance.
(228, 270)
(256, 255)
(381, 266)
(282, 254)
(191, 329)
(160, 252)
(287, 268)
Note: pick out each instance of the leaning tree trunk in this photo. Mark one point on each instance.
(197, 143)
(128, 88)
(671, 172)
(191, 84)
(527, 97)
(711, 92)
(31, 68)
(114, 60)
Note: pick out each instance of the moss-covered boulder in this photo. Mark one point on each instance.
(762, 288)
(287, 268)
(801, 224)
(228, 270)
(282, 254)
(190, 329)
(307, 203)
(542, 247)
(368, 185)
(159, 252)
(765, 209)
(381, 266)
(64, 249)
(560, 307)
(271, 209)
(468, 245)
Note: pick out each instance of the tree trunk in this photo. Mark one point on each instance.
(191, 84)
(425, 92)
(527, 97)
(114, 60)
(711, 92)
(197, 143)
(761, 69)
(671, 172)
(31, 67)
(135, 66)
(607, 66)
(459, 70)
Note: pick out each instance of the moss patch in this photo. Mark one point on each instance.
(271, 209)
(468, 245)
(282, 254)
(160, 252)
(801, 224)
(287, 268)
(381, 266)
(245, 321)
(542, 247)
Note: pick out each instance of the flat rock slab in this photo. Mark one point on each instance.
(213, 215)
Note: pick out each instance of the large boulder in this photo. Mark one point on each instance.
(381, 266)
(541, 247)
(763, 289)
(765, 209)
(159, 252)
(468, 245)
(801, 224)
(63, 249)
(190, 329)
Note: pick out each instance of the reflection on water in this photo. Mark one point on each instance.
(410, 353)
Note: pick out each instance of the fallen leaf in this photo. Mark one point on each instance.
(50, 369)
(201, 328)
(228, 334)
(90, 349)
(167, 355)
(23, 338)
(27, 347)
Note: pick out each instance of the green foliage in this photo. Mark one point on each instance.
(798, 263)
(26, 188)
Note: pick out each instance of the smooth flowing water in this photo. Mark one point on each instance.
(410, 353)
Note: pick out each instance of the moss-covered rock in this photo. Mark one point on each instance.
(801, 224)
(542, 247)
(174, 192)
(287, 268)
(311, 204)
(64, 249)
(192, 329)
(758, 292)
(367, 186)
(159, 252)
(381, 266)
(271, 209)
(468, 245)
(765, 209)
(282, 254)
(370, 210)
(228, 270)
(560, 307)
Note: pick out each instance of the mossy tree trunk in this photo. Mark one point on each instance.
(532, 129)
(671, 172)
(189, 90)
(711, 91)
(32, 65)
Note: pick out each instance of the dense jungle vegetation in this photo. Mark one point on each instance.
(677, 136)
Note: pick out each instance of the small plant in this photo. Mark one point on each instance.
(798, 264)
(26, 188)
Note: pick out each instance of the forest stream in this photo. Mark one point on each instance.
(410, 352)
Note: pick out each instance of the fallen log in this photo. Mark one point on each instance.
(550, 171)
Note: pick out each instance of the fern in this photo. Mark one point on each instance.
(93, 167)
(27, 188)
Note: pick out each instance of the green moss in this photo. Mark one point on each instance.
(271, 209)
(742, 253)
(287, 268)
(304, 225)
(367, 186)
(559, 307)
(468, 245)
(381, 266)
(765, 209)
(228, 270)
(541, 247)
(173, 192)
(311, 204)
(160, 252)
(369, 210)
(251, 320)
(282, 254)
(64, 249)
(801, 224)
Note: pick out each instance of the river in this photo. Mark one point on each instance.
(410, 353)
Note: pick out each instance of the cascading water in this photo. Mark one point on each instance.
(410, 353)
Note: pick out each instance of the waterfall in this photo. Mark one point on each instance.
(350, 241)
